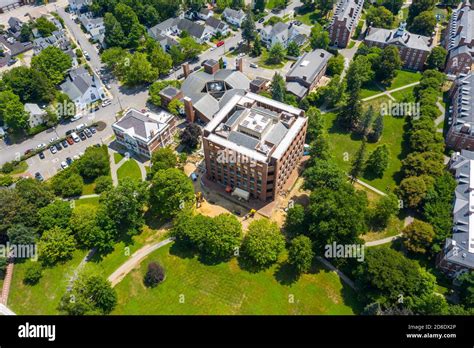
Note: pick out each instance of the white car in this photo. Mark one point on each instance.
(75, 157)
(53, 139)
(64, 165)
(53, 149)
(75, 118)
(41, 146)
(80, 126)
(213, 48)
(253, 65)
(241, 55)
(106, 102)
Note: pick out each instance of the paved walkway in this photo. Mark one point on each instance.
(387, 93)
(79, 268)
(382, 241)
(135, 259)
(360, 182)
(341, 275)
(114, 166)
(7, 282)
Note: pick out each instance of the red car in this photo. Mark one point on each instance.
(220, 43)
(69, 140)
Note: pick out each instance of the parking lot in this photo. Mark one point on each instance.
(51, 163)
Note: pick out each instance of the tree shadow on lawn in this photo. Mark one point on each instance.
(182, 250)
(286, 274)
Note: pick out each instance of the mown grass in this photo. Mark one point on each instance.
(227, 289)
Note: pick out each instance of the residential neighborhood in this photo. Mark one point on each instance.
(237, 158)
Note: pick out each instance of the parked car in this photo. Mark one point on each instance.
(253, 65)
(12, 61)
(213, 48)
(220, 43)
(41, 155)
(70, 140)
(75, 137)
(75, 118)
(180, 76)
(53, 149)
(69, 160)
(87, 132)
(196, 68)
(80, 126)
(59, 147)
(64, 165)
(41, 146)
(232, 48)
(28, 151)
(82, 136)
(69, 132)
(106, 102)
(64, 143)
(75, 157)
(38, 176)
(53, 139)
(261, 20)
(93, 130)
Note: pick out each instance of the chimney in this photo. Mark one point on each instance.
(240, 64)
(185, 70)
(188, 109)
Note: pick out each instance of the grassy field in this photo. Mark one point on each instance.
(404, 77)
(117, 157)
(344, 146)
(227, 289)
(263, 62)
(405, 95)
(371, 88)
(44, 297)
(129, 169)
(90, 200)
(105, 265)
(21, 167)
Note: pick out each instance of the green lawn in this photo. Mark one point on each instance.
(90, 201)
(44, 297)
(88, 189)
(129, 169)
(265, 64)
(405, 95)
(405, 77)
(344, 146)
(369, 89)
(227, 289)
(117, 157)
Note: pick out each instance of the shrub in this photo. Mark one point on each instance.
(154, 275)
(102, 183)
(33, 273)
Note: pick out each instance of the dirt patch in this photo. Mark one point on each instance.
(101, 126)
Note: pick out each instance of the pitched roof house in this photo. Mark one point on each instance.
(82, 88)
(173, 27)
(234, 17)
(217, 26)
(282, 33)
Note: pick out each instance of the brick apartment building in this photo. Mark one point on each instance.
(457, 255)
(414, 49)
(459, 40)
(344, 22)
(461, 133)
(143, 133)
(253, 144)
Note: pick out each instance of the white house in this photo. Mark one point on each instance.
(77, 5)
(205, 13)
(233, 17)
(281, 33)
(173, 27)
(36, 114)
(217, 26)
(82, 88)
(94, 26)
